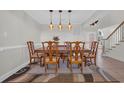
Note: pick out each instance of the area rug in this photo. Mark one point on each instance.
(55, 78)
(36, 74)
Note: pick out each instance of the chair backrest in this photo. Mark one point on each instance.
(52, 50)
(67, 45)
(31, 47)
(76, 51)
(94, 47)
(82, 44)
(79, 43)
(44, 45)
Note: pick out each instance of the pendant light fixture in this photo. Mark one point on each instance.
(69, 23)
(51, 26)
(60, 24)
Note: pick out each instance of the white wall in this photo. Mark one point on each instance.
(15, 29)
(77, 33)
(117, 53)
(108, 30)
(64, 35)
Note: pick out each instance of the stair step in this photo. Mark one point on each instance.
(113, 46)
(106, 51)
(122, 41)
(110, 48)
(117, 44)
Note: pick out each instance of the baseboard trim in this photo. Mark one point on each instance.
(115, 58)
(5, 76)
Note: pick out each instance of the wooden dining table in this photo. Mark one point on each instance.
(61, 49)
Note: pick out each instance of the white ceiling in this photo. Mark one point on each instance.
(81, 17)
(77, 16)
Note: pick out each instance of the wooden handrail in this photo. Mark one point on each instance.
(114, 31)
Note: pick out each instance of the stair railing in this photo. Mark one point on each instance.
(114, 38)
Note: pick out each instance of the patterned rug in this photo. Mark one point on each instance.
(36, 74)
(54, 78)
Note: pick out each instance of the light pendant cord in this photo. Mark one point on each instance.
(60, 19)
(69, 18)
(51, 17)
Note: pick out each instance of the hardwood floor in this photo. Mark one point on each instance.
(111, 69)
(114, 67)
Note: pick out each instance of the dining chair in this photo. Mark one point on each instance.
(65, 53)
(92, 54)
(80, 44)
(53, 55)
(33, 54)
(75, 53)
(67, 45)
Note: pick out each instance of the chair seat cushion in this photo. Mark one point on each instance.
(73, 61)
(37, 55)
(89, 55)
(54, 60)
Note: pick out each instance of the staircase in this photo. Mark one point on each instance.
(114, 39)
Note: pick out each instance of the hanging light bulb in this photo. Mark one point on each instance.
(69, 24)
(60, 24)
(51, 26)
(60, 27)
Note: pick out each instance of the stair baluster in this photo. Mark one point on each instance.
(114, 38)
(123, 32)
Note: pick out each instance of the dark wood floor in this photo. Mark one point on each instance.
(114, 67)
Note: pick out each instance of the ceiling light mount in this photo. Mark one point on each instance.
(69, 11)
(94, 23)
(60, 11)
(51, 11)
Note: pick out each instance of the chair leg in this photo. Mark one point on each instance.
(71, 67)
(63, 60)
(67, 64)
(34, 60)
(95, 61)
(43, 61)
(56, 68)
(45, 67)
(81, 67)
(58, 63)
(91, 60)
(85, 61)
(30, 62)
(40, 61)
